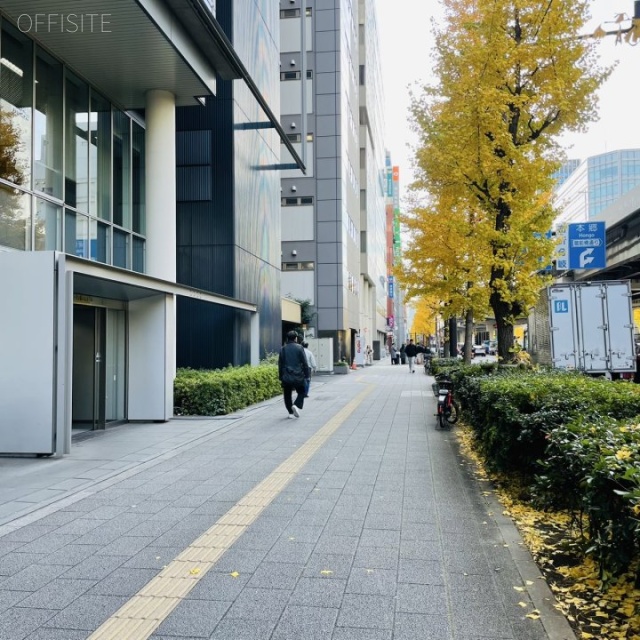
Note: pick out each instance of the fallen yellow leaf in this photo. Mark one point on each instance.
(195, 571)
(234, 574)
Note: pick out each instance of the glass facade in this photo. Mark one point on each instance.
(611, 175)
(72, 165)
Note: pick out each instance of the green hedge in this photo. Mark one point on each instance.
(223, 391)
(512, 411)
(574, 439)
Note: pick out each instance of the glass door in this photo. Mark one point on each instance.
(88, 392)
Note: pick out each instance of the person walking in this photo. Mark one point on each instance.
(403, 353)
(311, 361)
(393, 353)
(411, 351)
(293, 370)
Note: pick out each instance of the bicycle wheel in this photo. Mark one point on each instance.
(451, 414)
(442, 421)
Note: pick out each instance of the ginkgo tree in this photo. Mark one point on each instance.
(512, 75)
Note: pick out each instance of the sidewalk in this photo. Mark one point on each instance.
(359, 521)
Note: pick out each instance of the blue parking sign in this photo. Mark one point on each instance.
(587, 245)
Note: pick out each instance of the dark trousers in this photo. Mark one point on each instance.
(288, 392)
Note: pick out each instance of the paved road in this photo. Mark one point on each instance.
(358, 521)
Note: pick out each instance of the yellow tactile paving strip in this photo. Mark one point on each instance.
(143, 614)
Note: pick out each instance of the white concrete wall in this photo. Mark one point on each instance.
(151, 362)
(27, 352)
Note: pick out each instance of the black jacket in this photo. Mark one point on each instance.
(292, 355)
(411, 350)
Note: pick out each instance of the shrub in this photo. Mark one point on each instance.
(222, 391)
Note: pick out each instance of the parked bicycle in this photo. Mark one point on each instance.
(447, 407)
(427, 364)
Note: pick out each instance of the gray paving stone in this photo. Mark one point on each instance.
(419, 571)
(152, 557)
(380, 582)
(349, 633)
(78, 527)
(70, 555)
(57, 594)
(12, 563)
(302, 533)
(197, 618)
(94, 567)
(123, 582)
(17, 623)
(7, 547)
(482, 621)
(28, 533)
(318, 592)
(357, 610)
(259, 604)
(290, 551)
(276, 575)
(87, 612)
(45, 633)
(383, 521)
(32, 577)
(419, 598)
(48, 543)
(9, 598)
(219, 586)
(420, 550)
(380, 538)
(310, 623)
(411, 626)
(342, 527)
(376, 558)
(127, 546)
(239, 629)
(341, 545)
(241, 560)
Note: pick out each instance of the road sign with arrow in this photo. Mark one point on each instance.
(587, 245)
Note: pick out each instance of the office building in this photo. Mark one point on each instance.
(109, 119)
(592, 185)
(333, 218)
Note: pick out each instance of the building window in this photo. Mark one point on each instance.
(16, 106)
(47, 144)
(296, 202)
(298, 266)
(69, 171)
(294, 13)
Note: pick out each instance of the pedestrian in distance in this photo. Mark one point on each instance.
(403, 353)
(293, 370)
(394, 354)
(411, 352)
(311, 361)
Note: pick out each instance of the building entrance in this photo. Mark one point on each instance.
(98, 382)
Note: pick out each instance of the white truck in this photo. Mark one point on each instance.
(585, 326)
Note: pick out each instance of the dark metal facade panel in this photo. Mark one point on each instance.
(231, 244)
(194, 183)
(193, 147)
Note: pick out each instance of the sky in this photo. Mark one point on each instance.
(405, 28)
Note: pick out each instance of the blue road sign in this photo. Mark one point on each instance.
(587, 245)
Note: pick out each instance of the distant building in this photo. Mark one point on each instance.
(333, 220)
(595, 183)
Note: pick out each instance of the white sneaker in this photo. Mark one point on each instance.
(291, 416)
(296, 411)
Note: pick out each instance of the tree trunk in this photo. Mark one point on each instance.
(503, 314)
(468, 337)
(453, 337)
